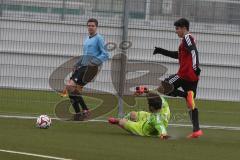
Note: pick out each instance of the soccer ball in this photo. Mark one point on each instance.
(43, 122)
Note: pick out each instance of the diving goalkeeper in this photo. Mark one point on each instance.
(152, 123)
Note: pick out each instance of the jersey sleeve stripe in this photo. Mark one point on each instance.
(171, 81)
(188, 40)
(194, 59)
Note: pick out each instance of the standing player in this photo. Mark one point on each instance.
(94, 54)
(153, 123)
(188, 74)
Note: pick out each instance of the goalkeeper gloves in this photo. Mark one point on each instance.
(164, 137)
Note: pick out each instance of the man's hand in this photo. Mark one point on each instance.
(157, 50)
(172, 54)
(164, 137)
(198, 71)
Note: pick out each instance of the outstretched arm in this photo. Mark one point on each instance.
(172, 54)
(161, 128)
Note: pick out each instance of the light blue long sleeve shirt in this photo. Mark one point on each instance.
(94, 51)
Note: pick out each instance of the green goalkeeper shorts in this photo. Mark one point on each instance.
(142, 115)
(134, 127)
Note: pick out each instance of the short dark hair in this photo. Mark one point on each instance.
(154, 100)
(182, 22)
(93, 20)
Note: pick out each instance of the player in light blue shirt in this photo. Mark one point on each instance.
(94, 51)
(94, 55)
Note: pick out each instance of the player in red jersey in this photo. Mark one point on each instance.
(188, 74)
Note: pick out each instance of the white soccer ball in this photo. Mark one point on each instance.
(43, 121)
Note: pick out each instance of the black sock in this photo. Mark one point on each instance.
(74, 102)
(178, 93)
(194, 118)
(82, 102)
(181, 93)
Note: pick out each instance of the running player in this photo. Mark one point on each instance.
(188, 74)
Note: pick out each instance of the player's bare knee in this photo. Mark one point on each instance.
(70, 86)
(133, 116)
(122, 122)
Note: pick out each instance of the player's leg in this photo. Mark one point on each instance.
(170, 86)
(132, 127)
(77, 80)
(132, 116)
(85, 74)
(137, 116)
(176, 82)
(142, 115)
(80, 83)
(73, 87)
(191, 89)
(74, 98)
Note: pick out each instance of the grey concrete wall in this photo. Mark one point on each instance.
(31, 51)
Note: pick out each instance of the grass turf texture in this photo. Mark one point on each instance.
(24, 102)
(97, 140)
(94, 140)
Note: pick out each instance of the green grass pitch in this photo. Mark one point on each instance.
(99, 140)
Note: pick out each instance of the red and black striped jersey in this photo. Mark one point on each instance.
(188, 59)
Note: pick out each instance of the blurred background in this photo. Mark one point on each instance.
(38, 36)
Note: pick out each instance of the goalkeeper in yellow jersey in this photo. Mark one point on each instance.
(152, 123)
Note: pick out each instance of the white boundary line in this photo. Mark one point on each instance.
(232, 128)
(188, 125)
(34, 155)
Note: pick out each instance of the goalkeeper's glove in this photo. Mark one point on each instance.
(164, 137)
(141, 90)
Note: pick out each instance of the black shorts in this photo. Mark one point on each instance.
(184, 84)
(84, 74)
